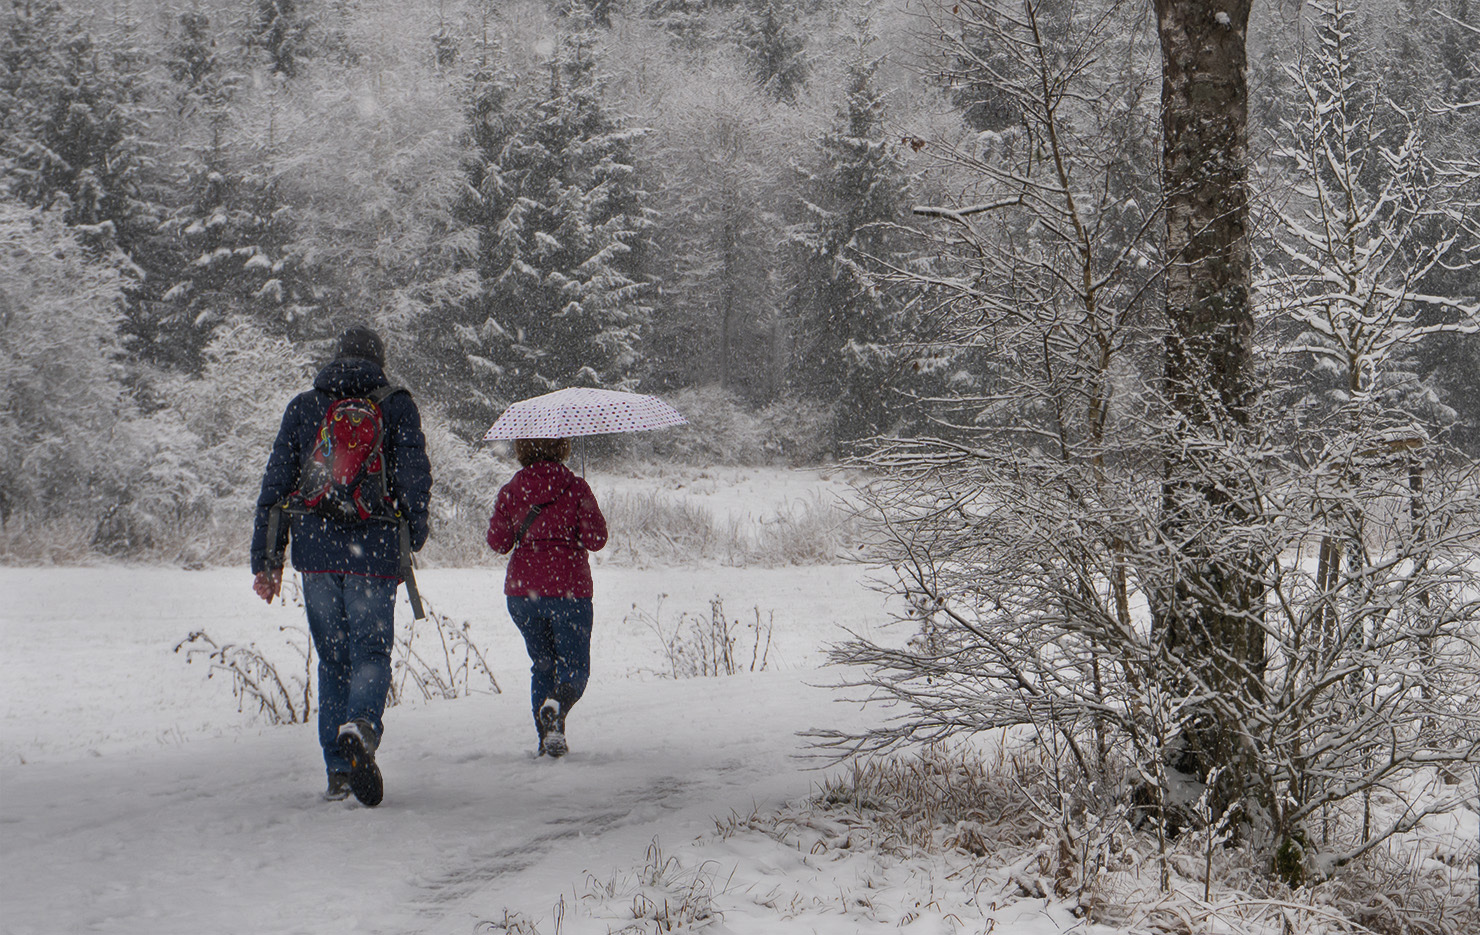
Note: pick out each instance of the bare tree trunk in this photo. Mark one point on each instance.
(727, 300)
(1205, 116)
(1209, 618)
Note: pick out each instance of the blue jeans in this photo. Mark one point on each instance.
(557, 633)
(352, 619)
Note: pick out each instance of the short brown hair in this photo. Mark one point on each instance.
(530, 450)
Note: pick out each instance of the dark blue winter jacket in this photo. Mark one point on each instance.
(320, 544)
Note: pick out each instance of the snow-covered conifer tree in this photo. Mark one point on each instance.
(229, 238)
(690, 22)
(563, 228)
(79, 130)
(849, 321)
(71, 125)
(723, 148)
(774, 44)
(279, 30)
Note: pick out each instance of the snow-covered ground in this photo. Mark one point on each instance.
(137, 799)
(88, 667)
(135, 796)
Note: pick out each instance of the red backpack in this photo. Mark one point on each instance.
(343, 476)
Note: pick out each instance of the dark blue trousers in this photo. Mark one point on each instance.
(352, 619)
(557, 633)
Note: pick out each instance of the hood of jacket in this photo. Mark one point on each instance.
(543, 481)
(349, 376)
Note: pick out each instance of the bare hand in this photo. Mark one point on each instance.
(267, 584)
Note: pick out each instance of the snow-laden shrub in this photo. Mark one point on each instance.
(1005, 816)
(816, 530)
(163, 505)
(654, 529)
(722, 429)
(657, 529)
(60, 374)
(198, 459)
(1264, 627)
(799, 431)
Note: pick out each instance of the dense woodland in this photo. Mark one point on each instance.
(747, 202)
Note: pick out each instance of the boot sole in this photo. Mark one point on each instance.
(364, 776)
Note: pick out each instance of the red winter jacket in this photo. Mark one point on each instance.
(551, 560)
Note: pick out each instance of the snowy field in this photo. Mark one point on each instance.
(135, 797)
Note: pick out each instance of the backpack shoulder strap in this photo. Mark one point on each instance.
(382, 393)
(529, 518)
(378, 396)
(534, 513)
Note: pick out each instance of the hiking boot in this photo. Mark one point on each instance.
(338, 789)
(357, 743)
(552, 729)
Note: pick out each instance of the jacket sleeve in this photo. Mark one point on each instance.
(412, 470)
(278, 480)
(500, 525)
(591, 525)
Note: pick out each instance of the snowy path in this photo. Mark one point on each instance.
(220, 829)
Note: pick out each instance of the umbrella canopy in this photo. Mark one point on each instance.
(582, 411)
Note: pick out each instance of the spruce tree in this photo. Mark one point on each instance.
(690, 22)
(773, 44)
(723, 236)
(563, 230)
(70, 125)
(848, 320)
(236, 259)
(79, 133)
(227, 252)
(976, 78)
(459, 348)
(279, 30)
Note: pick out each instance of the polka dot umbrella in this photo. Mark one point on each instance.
(583, 411)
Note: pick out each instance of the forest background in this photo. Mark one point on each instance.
(709, 199)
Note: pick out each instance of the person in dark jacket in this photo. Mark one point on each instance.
(349, 570)
(549, 517)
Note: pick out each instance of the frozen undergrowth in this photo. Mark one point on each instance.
(660, 515)
(432, 658)
(959, 843)
(667, 515)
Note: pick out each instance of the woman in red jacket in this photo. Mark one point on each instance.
(549, 517)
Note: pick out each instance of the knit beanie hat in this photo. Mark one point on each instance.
(359, 341)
